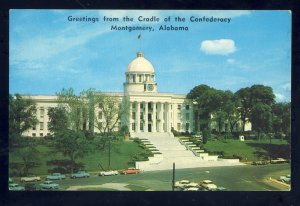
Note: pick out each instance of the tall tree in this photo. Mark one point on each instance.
(110, 111)
(59, 120)
(72, 144)
(244, 97)
(203, 97)
(261, 118)
(22, 114)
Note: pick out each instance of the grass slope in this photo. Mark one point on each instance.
(121, 153)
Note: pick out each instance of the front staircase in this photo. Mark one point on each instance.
(172, 151)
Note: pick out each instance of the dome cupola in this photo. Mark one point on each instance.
(140, 64)
(140, 75)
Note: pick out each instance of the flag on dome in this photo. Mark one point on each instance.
(139, 36)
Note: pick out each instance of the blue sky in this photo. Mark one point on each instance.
(48, 52)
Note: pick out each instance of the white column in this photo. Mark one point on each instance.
(161, 116)
(130, 117)
(146, 117)
(138, 122)
(169, 117)
(154, 117)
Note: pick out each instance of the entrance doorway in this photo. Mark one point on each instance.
(149, 128)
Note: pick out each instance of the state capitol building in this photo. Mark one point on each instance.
(150, 110)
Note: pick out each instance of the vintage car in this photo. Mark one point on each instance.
(208, 184)
(15, 187)
(130, 171)
(55, 176)
(108, 173)
(191, 189)
(49, 185)
(285, 179)
(80, 174)
(279, 160)
(181, 183)
(30, 179)
(185, 184)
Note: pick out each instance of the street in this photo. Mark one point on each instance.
(236, 178)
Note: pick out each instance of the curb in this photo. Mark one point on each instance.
(279, 182)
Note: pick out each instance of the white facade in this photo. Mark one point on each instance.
(150, 111)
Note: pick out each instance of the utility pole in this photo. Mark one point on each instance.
(173, 181)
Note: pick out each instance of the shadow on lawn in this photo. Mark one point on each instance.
(265, 150)
(64, 166)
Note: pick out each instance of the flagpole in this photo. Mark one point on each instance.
(140, 43)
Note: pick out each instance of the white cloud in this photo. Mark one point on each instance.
(230, 61)
(279, 97)
(220, 47)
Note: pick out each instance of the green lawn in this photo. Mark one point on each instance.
(250, 150)
(121, 153)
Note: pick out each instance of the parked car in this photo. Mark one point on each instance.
(285, 179)
(80, 174)
(15, 187)
(130, 171)
(108, 173)
(191, 189)
(279, 160)
(181, 183)
(55, 176)
(208, 184)
(261, 162)
(30, 179)
(49, 185)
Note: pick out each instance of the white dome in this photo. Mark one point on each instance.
(140, 64)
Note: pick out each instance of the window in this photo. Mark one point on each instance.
(41, 134)
(133, 105)
(133, 126)
(34, 127)
(179, 106)
(187, 107)
(178, 126)
(42, 112)
(33, 134)
(133, 78)
(187, 116)
(187, 127)
(100, 114)
(133, 115)
(141, 126)
(179, 115)
(140, 78)
(141, 116)
(41, 125)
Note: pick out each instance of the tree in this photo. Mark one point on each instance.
(244, 97)
(22, 114)
(281, 119)
(111, 111)
(204, 99)
(72, 144)
(29, 157)
(261, 118)
(59, 120)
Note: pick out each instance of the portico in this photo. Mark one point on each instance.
(150, 116)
